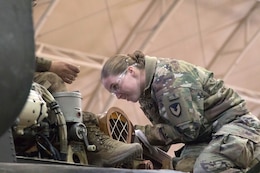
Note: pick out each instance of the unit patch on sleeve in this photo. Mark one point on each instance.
(175, 109)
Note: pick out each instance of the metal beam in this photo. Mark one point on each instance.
(44, 17)
(172, 8)
(141, 21)
(56, 53)
(230, 37)
(241, 56)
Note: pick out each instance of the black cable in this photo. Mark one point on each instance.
(52, 150)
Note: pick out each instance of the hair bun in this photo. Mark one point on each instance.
(138, 54)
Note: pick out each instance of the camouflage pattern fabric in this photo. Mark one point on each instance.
(185, 160)
(49, 80)
(42, 64)
(186, 104)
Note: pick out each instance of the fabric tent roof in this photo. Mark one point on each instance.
(222, 36)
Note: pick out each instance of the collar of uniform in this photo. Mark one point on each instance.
(150, 64)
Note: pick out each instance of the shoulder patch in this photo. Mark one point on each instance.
(175, 109)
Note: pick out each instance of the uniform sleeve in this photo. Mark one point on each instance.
(183, 113)
(181, 105)
(161, 134)
(42, 64)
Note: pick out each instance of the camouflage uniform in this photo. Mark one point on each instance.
(186, 104)
(49, 80)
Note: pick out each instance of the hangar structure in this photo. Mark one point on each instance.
(222, 36)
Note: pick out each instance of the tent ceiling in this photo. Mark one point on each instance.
(222, 36)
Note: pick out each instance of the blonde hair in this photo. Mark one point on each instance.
(118, 63)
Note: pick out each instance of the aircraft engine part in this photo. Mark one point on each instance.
(34, 111)
(77, 130)
(116, 124)
(70, 104)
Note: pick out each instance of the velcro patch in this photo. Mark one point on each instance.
(175, 109)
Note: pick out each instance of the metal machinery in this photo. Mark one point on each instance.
(116, 124)
(50, 128)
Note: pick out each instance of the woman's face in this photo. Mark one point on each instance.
(125, 85)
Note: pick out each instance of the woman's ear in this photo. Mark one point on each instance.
(131, 70)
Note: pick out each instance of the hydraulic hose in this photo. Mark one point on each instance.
(49, 99)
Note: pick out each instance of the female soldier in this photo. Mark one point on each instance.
(186, 104)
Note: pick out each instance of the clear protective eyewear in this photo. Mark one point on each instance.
(114, 88)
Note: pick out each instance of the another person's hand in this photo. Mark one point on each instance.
(66, 71)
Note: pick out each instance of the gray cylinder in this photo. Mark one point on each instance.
(70, 104)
